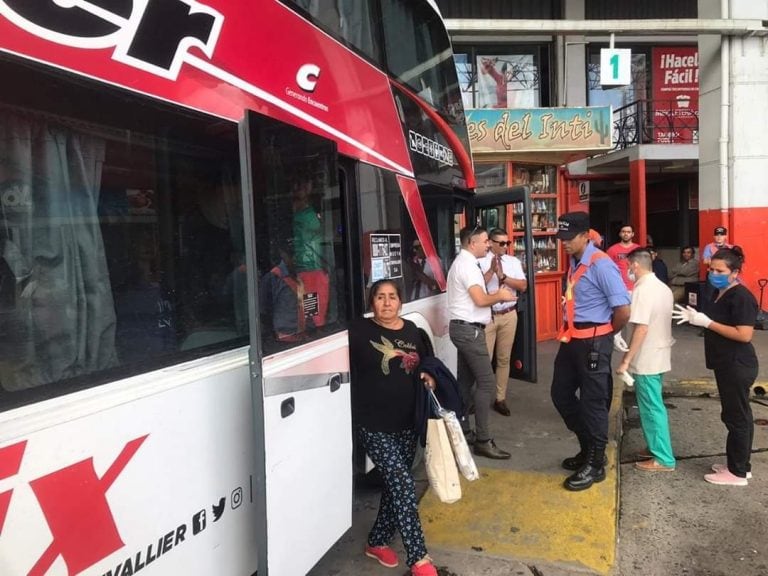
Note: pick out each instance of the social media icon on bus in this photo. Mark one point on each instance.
(199, 522)
(218, 509)
(237, 497)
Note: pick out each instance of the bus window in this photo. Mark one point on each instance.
(384, 219)
(299, 231)
(120, 234)
(348, 20)
(419, 53)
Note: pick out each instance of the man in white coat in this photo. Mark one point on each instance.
(648, 357)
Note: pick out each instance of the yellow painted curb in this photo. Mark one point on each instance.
(527, 515)
(530, 516)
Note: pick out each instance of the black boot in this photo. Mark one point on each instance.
(591, 472)
(575, 462)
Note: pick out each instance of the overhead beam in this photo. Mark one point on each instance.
(692, 26)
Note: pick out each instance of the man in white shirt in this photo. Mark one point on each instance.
(502, 269)
(469, 306)
(649, 356)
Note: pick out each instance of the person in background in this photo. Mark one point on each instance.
(469, 307)
(385, 352)
(596, 305)
(502, 269)
(618, 252)
(424, 283)
(282, 292)
(659, 266)
(729, 322)
(720, 235)
(307, 226)
(687, 270)
(649, 357)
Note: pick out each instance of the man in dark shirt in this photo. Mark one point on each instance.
(659, 266)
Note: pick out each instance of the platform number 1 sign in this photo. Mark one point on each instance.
(615, 67)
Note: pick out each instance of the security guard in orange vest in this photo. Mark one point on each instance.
(596, 306)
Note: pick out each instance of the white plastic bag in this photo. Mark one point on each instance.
(463, 456)
(441, 466)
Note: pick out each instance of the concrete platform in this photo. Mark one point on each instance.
(517, 519)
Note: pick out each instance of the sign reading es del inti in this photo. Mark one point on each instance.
(615, 67)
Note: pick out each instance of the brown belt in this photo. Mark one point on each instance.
(505, 311)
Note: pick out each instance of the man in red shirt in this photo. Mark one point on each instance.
(618, 253)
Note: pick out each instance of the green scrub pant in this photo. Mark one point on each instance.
(653, 417)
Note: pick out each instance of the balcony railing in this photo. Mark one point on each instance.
(672, 121)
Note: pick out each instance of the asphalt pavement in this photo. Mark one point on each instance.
(518, 520)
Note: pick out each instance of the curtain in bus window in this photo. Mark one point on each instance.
(57, 315)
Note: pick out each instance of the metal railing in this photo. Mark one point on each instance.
(671, 121)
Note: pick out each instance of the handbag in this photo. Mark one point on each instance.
(464, 460)
(441, 467)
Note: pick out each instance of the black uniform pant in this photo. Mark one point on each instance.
(585, 413)
(733, 384)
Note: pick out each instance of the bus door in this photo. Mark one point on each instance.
(489, 209)
(296, 258)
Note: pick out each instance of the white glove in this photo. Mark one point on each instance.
(691, 316)
(619, 344)
(628, 380)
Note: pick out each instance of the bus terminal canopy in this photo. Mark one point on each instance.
(539, 135)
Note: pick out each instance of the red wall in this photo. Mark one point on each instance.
(746, 228)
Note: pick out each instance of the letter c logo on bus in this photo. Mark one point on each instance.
(307, 77)
(74, 502)
(152, 35)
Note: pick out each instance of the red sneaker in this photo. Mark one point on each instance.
(425, 569)
(384, 554)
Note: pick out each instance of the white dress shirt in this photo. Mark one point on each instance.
(464, 273)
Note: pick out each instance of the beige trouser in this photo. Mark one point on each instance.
(500, 335)
(678, 293)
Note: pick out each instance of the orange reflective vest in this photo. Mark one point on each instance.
(568, 330)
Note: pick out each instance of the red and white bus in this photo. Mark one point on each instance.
(194, 195)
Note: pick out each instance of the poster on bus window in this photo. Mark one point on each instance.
(675, 82)
(386, 256)
(510, 81)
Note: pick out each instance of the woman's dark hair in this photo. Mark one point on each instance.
(378, 284)
(733, 257)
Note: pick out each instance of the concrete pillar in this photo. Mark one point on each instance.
(745, 209)
(575, 84)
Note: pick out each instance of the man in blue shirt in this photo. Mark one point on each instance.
(596, 306)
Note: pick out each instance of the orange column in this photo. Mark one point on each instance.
(637, 206)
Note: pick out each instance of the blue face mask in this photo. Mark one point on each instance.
(719, 281)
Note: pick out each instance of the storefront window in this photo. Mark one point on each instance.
(617, 96)
(508, 81)
(501, 78)
(490, 175)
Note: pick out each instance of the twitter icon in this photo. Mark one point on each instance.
(218, 509)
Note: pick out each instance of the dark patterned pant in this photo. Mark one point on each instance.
(392, 453)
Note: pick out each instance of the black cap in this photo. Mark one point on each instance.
(571, 224)
(721, 230)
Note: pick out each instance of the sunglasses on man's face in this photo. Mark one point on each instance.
(503, 243)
